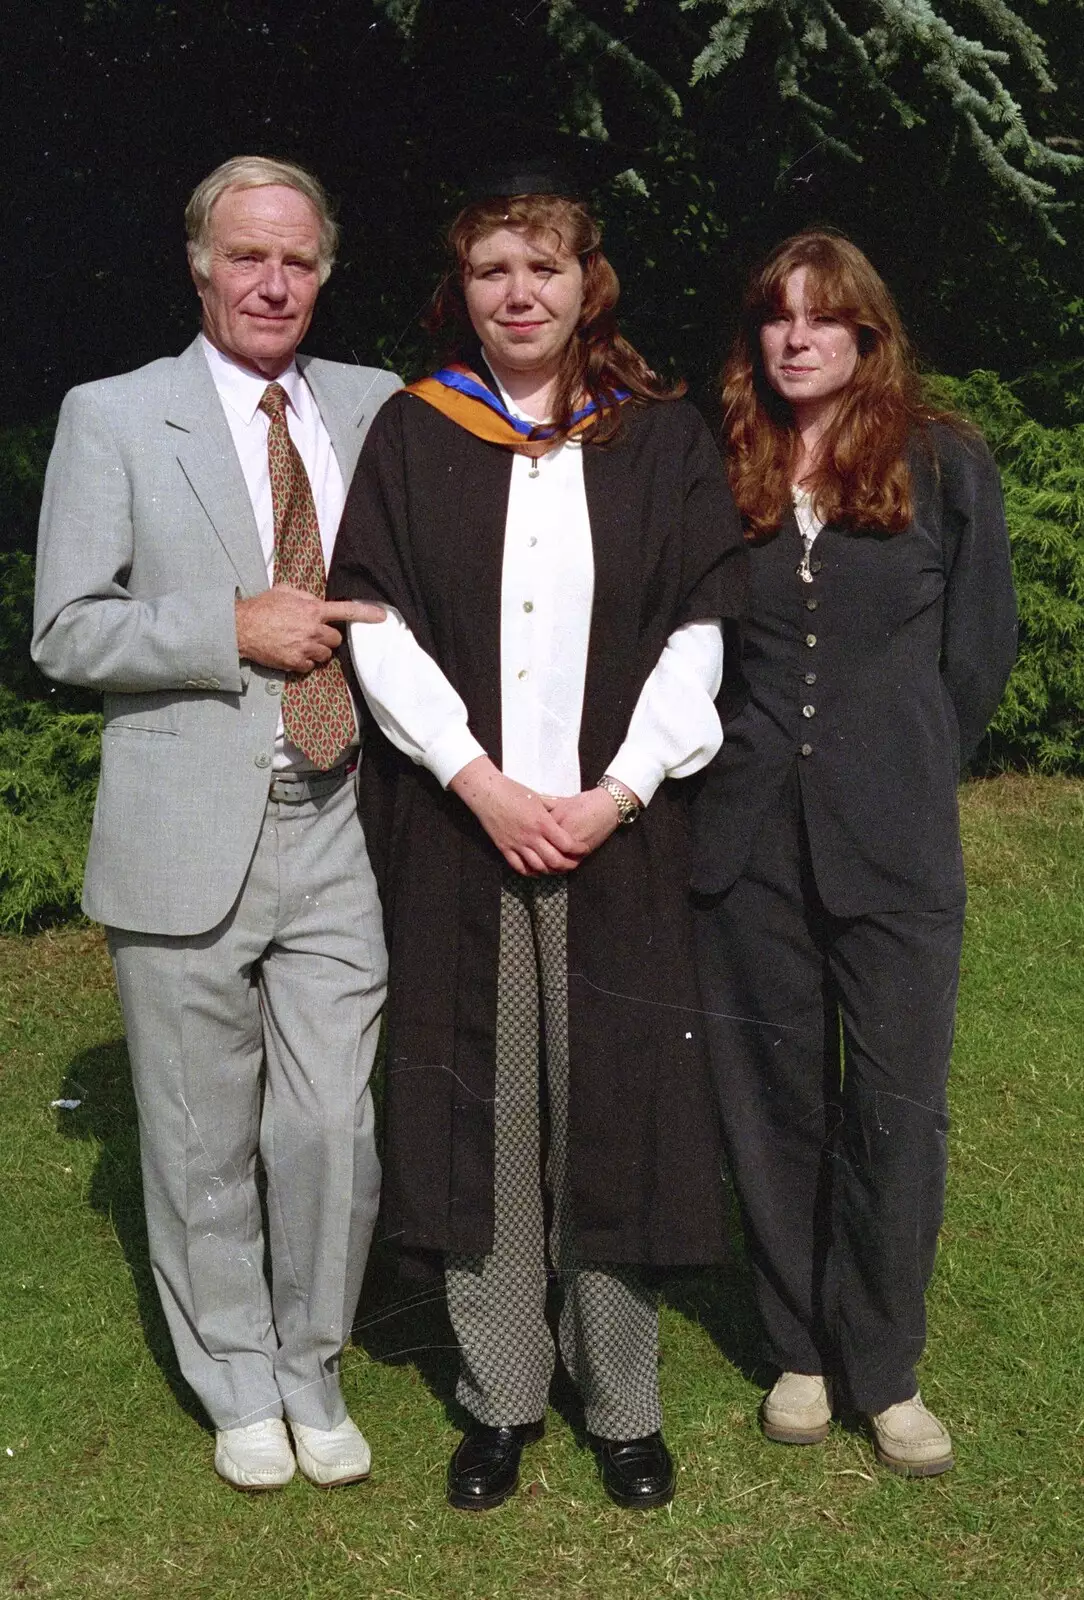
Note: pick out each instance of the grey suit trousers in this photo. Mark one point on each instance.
(259, 1037)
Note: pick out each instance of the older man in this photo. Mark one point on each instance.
(190, 512)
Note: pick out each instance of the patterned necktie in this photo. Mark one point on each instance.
(317, 714)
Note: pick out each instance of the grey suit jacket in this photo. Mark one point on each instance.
(147, 536)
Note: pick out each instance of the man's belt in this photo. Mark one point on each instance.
(294, 788)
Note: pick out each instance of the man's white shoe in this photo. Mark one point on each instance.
(909, 1440)
(256, 1457)
(797, 1409)
(328, 1456)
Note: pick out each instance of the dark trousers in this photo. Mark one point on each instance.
(830, 1043)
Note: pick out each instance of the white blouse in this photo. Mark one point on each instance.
(547, 588)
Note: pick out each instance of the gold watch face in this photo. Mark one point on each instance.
(627, 809)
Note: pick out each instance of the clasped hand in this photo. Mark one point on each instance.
(536, 834)
(292, 630)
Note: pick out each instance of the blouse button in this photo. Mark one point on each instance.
(807, 749)
(809, 711)
(811, 639)
(811, 605)
(815, 566)
(528, 605)
(522, 673)
(531, 542)
(811, 677)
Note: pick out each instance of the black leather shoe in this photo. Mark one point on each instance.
(484, 1470)
(637, 1472)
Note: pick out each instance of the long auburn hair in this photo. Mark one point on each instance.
(597, 360)
(860, 478)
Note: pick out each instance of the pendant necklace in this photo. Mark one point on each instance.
(807, 529)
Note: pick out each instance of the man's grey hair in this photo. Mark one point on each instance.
(255, 172)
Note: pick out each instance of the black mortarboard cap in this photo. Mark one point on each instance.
(520, 177)
(535, 162)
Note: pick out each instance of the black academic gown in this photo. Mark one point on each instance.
(423, 530)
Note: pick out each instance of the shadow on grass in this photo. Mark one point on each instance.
(101, 1079)
(720, 1299)
(402, 1320)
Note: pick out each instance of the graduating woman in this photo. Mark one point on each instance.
(552, 533)
(880, 633)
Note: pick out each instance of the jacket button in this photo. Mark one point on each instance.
(811, 677)
(811, 639)
(263, 759)
(273, 686)
(815, 566)
(807, 749)
(809, 711)
(811, 605)
(528, 605)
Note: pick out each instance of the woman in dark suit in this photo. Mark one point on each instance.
(829, 874)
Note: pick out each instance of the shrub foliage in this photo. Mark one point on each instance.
(1040, 723)
(48, 777)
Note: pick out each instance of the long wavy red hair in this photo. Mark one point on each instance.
(597, 361)
(860, 478)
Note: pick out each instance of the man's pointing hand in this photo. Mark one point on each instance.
(292, 630)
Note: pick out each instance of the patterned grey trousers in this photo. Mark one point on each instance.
(608, 1329)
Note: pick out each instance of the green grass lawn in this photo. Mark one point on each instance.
(106, 1484)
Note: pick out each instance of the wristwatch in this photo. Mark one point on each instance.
(628, 809)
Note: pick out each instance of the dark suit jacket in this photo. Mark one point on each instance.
(877, 679)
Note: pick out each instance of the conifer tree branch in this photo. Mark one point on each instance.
(814, 38)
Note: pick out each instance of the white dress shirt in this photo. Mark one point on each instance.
(241, 392)
(547, 589)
